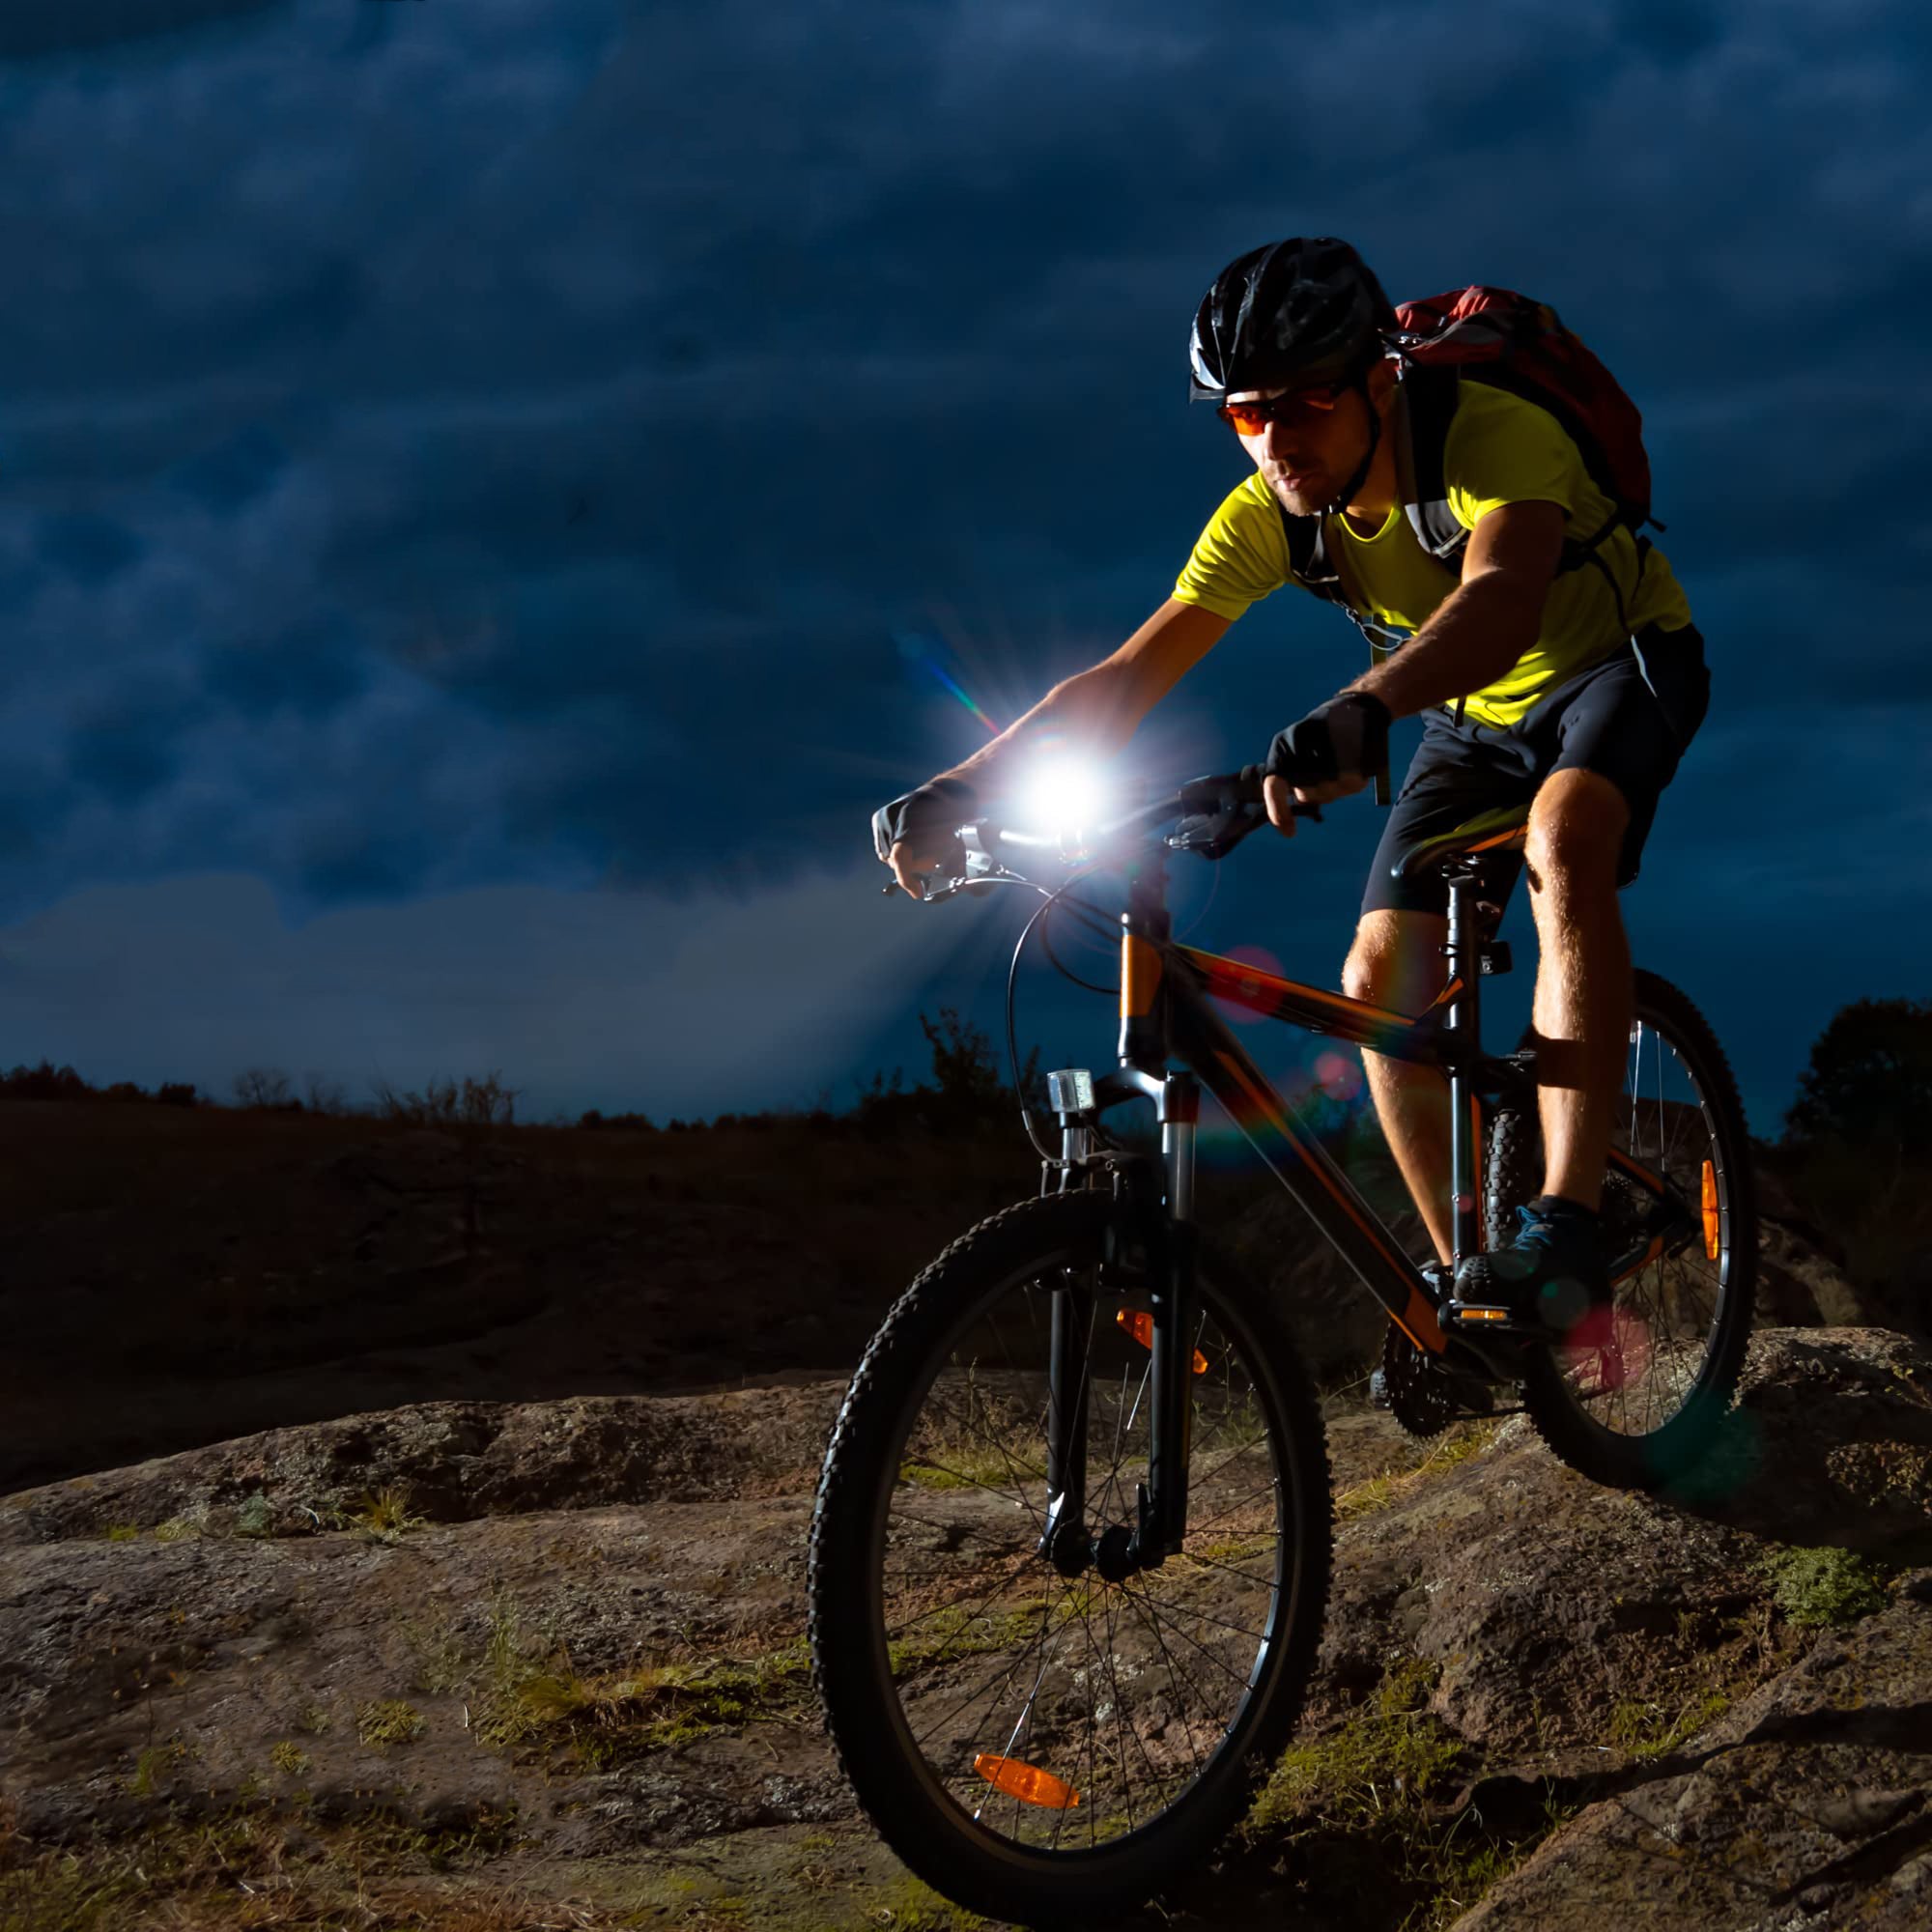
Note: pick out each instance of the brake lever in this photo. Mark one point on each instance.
(1216, 833)
(983, 874)
(928, 892)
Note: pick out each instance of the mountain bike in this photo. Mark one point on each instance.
(1071, 1548)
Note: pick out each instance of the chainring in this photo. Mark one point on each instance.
(1419, 1397)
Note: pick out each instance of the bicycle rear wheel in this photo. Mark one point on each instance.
(1639, 1404)
(1039, 1747)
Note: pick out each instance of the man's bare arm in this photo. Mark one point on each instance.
(1097, 711)
(1487, 622)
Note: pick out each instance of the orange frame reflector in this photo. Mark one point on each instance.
(1139, 1324)
(1710, 1212)
(1026, 1782)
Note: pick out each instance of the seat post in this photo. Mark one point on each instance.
(1463, 957)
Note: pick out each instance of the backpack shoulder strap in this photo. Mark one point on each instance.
(1430, 397)
(1316, 569)
(1308, 558)
(1320, 569)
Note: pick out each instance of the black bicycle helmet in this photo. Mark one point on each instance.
(1306, 309)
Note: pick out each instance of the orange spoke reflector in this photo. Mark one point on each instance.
(1710, 1211)
(1026, 1782)
(1139, 1324)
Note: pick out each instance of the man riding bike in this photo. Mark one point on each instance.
(1572, 689)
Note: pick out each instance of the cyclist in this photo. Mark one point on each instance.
(1572, 689)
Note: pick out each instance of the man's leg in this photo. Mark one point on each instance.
(1583, 996)
(1397, 962)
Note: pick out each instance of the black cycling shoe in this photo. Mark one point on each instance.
(1551, 1284)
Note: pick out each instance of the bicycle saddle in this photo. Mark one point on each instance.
(1499, 829)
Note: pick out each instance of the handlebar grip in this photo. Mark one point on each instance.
(1237, 788)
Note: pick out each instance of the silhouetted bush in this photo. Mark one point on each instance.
(177, 1093)
(442, 1104)
(45, 1082)
(968, 1093)
(636, 1123)
(1869, 1081)
(263, 1088)
(324, 1095)
(1857, 1153)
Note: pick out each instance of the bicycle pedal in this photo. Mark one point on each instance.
(1480, 1318)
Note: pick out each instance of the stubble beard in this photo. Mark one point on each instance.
(1295, 502)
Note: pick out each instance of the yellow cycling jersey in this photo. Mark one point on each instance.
(1500, 450)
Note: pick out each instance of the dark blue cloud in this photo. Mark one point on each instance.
(38, 32)
(1671, 32)
(90, 549)
(124, 751)
(360, 863)
(312, 667)
(234, 472)
(23, 812)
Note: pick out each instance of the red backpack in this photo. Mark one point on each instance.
(1513, 343)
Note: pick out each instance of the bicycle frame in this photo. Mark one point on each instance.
(1166, 990)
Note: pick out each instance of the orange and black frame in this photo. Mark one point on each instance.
(1167, 1016)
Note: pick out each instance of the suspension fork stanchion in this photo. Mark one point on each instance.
(1465, 1040)
(1167, 1228)
(1063, 1538)
(1163, 1497)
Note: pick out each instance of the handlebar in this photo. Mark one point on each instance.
(1215, 813)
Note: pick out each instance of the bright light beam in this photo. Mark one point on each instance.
(1064, 796)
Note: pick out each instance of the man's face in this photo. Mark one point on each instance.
(1311, 445)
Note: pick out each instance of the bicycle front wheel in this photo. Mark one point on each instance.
(1041, 1747)
(1639, 1406)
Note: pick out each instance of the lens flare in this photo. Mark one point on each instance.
(1064, 795)
(1337, 1076)
(919, 650)
(1263, 959)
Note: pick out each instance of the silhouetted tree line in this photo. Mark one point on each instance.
(48, 1082)
(968, 1093)
(1866, 1095)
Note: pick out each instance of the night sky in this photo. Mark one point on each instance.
(493, 493)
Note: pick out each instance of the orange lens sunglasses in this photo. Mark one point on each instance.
(1295, 406)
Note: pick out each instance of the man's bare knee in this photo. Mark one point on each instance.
(1396, 960)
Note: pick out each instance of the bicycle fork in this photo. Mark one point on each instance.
(1169, 1241)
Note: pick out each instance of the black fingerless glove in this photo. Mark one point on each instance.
(943, 802)
(1348, 736)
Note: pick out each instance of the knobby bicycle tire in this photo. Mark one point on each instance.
(1583, 1421)
(893, 1508)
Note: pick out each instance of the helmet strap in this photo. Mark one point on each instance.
(1347, 493)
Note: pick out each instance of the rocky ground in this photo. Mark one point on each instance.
(430, 1554)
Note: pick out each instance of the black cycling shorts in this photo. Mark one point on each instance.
(1628, 717)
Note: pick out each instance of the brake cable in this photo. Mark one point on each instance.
(1051, 899)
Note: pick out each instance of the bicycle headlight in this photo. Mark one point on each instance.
(1064, 796)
